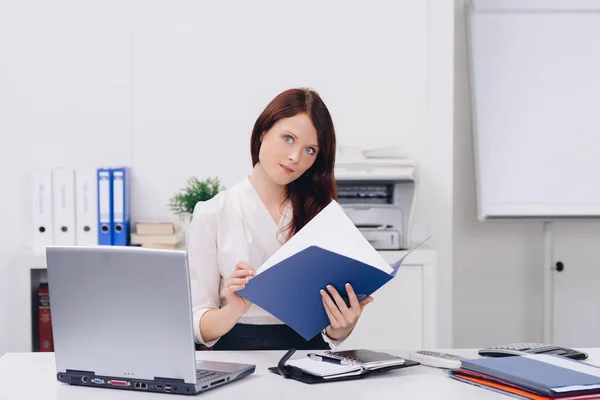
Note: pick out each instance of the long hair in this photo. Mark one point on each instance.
(316, 187)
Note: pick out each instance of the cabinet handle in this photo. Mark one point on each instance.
(560, 266)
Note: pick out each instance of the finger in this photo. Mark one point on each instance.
(237, 281)
(340, 303)
(234, 288)
(241, 273)
(244, 265)
(333, 322)
(352, 298)
(339, 317)
(365, 302)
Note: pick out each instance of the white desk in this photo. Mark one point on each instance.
(32, 376)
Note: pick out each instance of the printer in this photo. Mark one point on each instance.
(376, 189)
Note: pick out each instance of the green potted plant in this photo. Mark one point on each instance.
(183, 202)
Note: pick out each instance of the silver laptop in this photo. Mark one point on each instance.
(122, 318)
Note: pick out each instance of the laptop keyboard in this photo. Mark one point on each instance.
(204, 375)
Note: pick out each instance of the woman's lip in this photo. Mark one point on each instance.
(286, 169)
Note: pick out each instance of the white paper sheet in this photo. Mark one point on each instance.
(332, 230)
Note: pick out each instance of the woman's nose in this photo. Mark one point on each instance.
(294, 155)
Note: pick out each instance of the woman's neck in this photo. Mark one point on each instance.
(271, 193)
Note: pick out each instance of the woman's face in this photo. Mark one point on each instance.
(289, 148)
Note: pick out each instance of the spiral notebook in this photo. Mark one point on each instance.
(367, 359)
(355, 364)
(324, 369)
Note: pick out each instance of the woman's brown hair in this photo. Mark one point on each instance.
(316, 187)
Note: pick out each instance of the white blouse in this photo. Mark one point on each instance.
(233, 226)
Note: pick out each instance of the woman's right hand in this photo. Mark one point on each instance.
(237, 281)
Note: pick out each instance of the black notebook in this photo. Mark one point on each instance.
(355, 364)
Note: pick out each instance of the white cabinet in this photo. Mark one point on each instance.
(404, 313)
(577, 288)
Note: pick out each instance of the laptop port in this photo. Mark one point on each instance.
(159, 387)
(97, 380)
(84, 379)
(217, 382)
(167, 388)
(118, 383)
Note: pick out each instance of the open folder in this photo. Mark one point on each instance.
(328, 250)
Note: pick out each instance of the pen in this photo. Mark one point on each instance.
(333, 360)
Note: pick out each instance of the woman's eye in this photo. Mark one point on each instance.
(310, 150)
(288, 138)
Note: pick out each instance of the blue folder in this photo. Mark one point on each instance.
(121, 206)
(290, 290)
(105, 207)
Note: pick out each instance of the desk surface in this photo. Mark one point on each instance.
(32, 376)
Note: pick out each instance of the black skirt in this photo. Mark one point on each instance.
(267, 337)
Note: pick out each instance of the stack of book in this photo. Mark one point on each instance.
(158, 235)
(533, 376)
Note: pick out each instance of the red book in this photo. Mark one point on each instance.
(46, 342)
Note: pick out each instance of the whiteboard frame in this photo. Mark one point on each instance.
(501, 6)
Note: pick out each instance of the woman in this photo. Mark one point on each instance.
(293, 153)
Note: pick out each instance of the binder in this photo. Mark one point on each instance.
(121, 219)
(105, 207)
(41, 210)
(63, 193)
(86, 206)
(540, 374)
(328, 250)
(45, 338)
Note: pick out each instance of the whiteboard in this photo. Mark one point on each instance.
(535, 90)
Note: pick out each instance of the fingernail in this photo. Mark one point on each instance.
(329, 287)
(247, 279)
(347, 285)
(322, 291)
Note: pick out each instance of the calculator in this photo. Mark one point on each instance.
(517, 349)
(437, 359)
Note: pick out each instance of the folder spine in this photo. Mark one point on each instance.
(63, 189)
(105, 207)
(121, 206)
(42, 210)
(86, 206)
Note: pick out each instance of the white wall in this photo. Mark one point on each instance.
(497, 266)
(176, 87)
(64, 97)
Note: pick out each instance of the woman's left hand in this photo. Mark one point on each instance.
(342, 318)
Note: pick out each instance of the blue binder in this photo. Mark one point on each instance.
(121, 206)
(290, 290)
(105, 207)
(546, 374)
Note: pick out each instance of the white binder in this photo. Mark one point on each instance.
(43, 230)
(63, 199)
(86, 206)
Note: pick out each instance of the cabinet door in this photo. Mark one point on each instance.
(395, 319)
(577, 287)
